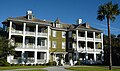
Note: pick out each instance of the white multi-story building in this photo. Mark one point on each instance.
(86, 43)
(41, 41)
(31, 36)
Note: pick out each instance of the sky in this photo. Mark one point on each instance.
(68, 11)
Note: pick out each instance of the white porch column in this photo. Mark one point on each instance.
(48, 28)
(35, 57)
(86, 40)
(94, 41)
(77, 40)
(24, 27)
(102, 58)
(36, 36)
(102, 40)
(10, 29)
(22, 57)
(94, 56)
(47, 56)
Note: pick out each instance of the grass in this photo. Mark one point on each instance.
(19, 67)
(93, 68)
(32, 70)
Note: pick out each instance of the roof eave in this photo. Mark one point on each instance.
(11, 19)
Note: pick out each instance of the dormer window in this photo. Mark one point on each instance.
(29, 15)
(57, 23)
(87, 25)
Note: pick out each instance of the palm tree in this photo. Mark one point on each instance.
(108, 11)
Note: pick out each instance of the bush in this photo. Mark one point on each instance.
(3, 62)
(51, 63)
(78, 62)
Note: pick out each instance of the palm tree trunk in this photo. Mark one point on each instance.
(110, 49)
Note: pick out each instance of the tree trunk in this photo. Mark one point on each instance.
(109, 38)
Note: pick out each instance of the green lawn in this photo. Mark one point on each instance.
(93, 68)
(32, 70)
(19, 67)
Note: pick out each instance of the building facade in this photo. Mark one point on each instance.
(41, 41)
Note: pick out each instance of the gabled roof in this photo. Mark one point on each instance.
(86, 26)
(24, 19)
(57, 21)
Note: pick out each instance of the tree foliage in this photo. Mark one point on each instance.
(6, 47)
(108, 11)
(115, 50)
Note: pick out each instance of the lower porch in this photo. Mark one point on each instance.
(28, 57)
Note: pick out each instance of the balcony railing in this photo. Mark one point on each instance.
(97, 39)
(90, 39)
(41, 61)
(82, 38)
(30, 33)
(19, 45)
(42, 34)
(30, 45)
(28, 60)
(41, 47)
(81, 49)
(17, 31)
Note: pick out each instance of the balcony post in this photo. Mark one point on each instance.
(86, 41)
(36, 36)
(48, 28)
(10, 29)
(35, 57)
(77, 39)
(102, 40)
(24, 27)
(22, 57)
(94, 56)
(47, 56)
(94, 41)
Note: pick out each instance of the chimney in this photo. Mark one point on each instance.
(79, 21)
(29, 15)
(29, 12)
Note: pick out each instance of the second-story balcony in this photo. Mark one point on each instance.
(81, 48)
(16, 31)
(90, 39)
(19, 45)
(41, 47)
(42, 34)
(30, 33)
(30, 45)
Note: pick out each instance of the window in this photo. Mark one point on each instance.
(54, 44)
(63, 45)
(54, 33)
(74, 45)
(70, 45)
(63, 34)
(40, 55)
(70, 33)
(42, 42)
(58, 25)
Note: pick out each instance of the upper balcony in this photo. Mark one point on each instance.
(29, 30)
(19, 32)
(42, 31)
(90, 36)
(30, 46)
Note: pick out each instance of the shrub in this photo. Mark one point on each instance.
(3, 62)
(78, 62)
(51, 63)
